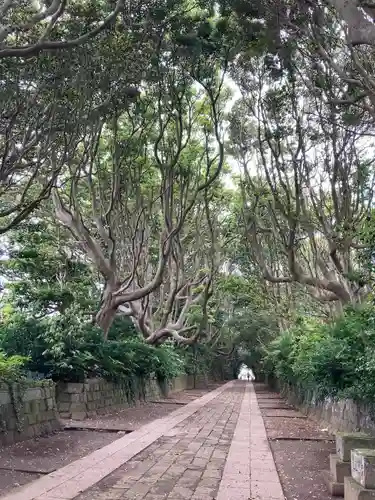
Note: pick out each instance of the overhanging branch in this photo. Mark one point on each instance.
(42, 44)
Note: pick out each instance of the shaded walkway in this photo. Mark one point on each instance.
(213, 448)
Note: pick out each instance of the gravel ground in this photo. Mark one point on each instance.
(292, 427)
(300, 465)
(282, 413)
(274, 406)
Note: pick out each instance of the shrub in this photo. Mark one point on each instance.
(169, 363)
(23, 336)
(278, 358)
(336, 359)
(11, 367)
(64, 347)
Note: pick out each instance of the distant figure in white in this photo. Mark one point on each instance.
(246, 373)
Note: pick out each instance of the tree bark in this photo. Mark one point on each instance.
(361, 31)
(108, 309)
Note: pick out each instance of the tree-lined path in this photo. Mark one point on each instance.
(213, 448)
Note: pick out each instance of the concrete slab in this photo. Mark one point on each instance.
(335, 488)
(338, 468)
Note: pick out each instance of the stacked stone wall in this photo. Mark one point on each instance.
(338, 415)
(27, 410)
(94, 397)
(34, 408)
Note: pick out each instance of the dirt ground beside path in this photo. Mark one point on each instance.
(300, 447)
(27, 461)
(129, 419)
(24, 462)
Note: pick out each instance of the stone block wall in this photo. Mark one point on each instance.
(338, 415)
(182, 383)
(34, 408)
(178, 384)
(94, 397)
(199, 381)
(27, 410)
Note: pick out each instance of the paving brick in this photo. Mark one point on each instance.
(182, 492)
(67, 482)
(151, 496)
(234, 494)
(209, 482)
(212, 473)
(263, 465)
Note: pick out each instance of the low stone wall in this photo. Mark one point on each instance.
(27, 410)
(338, 415)
(199, 381)
(94, 397)
(33, 408)
(184, 382)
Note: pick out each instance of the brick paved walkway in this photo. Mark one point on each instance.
(213, 448)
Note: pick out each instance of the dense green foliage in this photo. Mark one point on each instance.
(46, 319)
(45, 329)
(336, 358)
(65, 348)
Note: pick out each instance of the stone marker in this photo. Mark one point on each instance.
(340, 466)
(363, 467)
(354, 491)
(346, 442)
(339, 469)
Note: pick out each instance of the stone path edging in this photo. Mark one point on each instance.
(71, 480)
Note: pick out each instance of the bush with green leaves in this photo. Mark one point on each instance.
(331, 359)
(169, 363)
(67, 348)
(11, 368)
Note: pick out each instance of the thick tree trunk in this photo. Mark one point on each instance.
(104, 319)
(107, 310)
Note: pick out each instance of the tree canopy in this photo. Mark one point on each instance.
(200, 173)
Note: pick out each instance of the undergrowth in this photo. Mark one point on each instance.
(334, 359)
